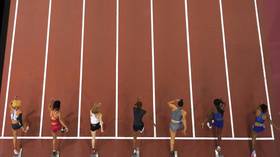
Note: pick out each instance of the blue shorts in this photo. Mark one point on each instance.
(176, 126)
(258, 129)
(219, 125)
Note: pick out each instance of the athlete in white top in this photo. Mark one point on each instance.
(96, 123)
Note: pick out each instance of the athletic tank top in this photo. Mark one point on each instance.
(93, 119)
(14, 115)
(138, 116)
(259, 119)
(55, 121)
(218, 119)
(177, 114)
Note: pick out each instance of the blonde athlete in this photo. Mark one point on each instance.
(17, 123)
(96, 123)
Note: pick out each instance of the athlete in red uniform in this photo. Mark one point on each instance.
(57, 124)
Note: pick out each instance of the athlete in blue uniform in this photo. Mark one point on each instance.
(215, 120)
(259, 125)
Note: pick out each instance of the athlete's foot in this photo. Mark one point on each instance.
(218, 148)
(54, 152)
(134, 151)
(172, 153)
(16, 152)
(93, 150)
(253, 154)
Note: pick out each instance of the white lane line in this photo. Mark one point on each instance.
(81, 68)
(45, 68)
(226, 68)
(189, 66)
(117, 69)
(153, 66)
(263, 65)
(10, 68)
(141, 138)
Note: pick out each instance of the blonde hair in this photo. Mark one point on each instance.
(16, 103)
(95, 108)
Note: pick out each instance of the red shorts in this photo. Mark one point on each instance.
(56, 127)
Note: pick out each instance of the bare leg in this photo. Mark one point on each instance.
(93, 134)
(19, 141)
(55, 142)
(218, 134)
(14, 139)
(134, 139)
(172, 140)
(254, 136)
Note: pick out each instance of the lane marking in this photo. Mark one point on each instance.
(263, 64)
(226, 68)
(153, 66)
(45, 68)
(189, 66)
(10, 68)
(117, 69)
(81, 68)
(141, 138)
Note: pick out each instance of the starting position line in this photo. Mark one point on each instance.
(141, 138)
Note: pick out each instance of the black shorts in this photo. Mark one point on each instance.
(17, 126)
(137, 128)
(94, 127)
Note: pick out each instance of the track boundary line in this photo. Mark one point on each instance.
(45, 68)
(117, 69)
(263, 65)
(153, 66)
(81, 68)
(141, 138)
(226, 67)
(189, 66)
(10, 68)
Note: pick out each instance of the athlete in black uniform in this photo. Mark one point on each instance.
(138, 124)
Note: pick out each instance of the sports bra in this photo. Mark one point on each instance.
(259, 119)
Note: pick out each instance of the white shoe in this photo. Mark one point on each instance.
(134, 151)
(142, 130)
(253, 154)
(15, 152)
(209, 125)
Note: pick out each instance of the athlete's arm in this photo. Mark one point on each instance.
(172, 104)
(50, 105)
(272, 123)
(62, 122)
(101, 122)
(184, 120)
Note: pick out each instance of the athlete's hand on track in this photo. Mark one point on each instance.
(202, 125)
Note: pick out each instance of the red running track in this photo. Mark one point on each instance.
(128, 49)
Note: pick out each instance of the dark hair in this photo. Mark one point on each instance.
(181, 103)
(263, 108)
(217, 103)
(138, 104)
(56, 105)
